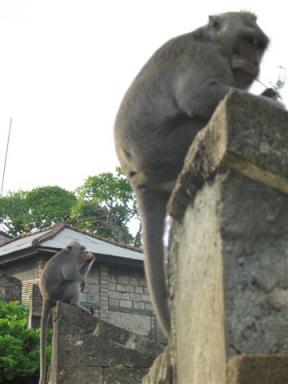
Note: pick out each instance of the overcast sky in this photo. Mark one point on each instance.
(66, 64)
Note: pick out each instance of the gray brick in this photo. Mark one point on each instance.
(121, 288)
(92, 299)
(148, 307)
(126, 303)
(138, 305)
(123, 280)
(114, 302)
(145, 298)
(134, 281)
(135, 296)
(130, 288)
(112, 286)
(115, 294)
(139, 290)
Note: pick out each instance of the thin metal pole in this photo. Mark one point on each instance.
(6, 154)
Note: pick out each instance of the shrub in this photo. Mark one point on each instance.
(19, 346)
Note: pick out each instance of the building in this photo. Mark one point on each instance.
(116, 287)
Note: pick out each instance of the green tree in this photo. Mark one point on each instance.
(22, 212)
(106, 205)
(19, 346)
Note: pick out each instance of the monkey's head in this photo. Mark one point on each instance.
(242, 41)
(78, 251)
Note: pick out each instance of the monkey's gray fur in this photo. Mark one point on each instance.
(171, 99)
(63, 278)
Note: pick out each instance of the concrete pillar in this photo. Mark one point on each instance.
(229, 264)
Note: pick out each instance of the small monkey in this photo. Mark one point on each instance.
(170, 100)
(63, 278)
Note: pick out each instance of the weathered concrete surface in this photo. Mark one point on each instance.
(257, 369)
(89, 350)
(229, 267)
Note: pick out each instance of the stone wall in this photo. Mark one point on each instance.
(10, 288)
(228, 259)
(87, 350)
(119, 295)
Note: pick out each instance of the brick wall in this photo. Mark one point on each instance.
(119, 295)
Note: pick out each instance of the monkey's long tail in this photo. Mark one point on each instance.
(152, 205)
(46, 309)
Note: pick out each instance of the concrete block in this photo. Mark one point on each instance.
(107, 354)
(139, 290)
(124, 375)
(258, 369)
(229, 276)
(126, 303)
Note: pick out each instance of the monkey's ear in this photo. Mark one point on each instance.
(214, 22)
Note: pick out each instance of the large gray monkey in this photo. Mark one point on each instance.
(63, 278)
(171, 99)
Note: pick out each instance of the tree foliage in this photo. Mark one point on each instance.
(104, 205)
(19, 346)
(22, 212)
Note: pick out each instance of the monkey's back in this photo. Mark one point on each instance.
(51, 277)
(149, 114)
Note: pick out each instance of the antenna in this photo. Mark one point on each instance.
(6, 154)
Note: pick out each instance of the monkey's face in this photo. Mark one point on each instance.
(79, 252)
(243, 41)
(246, 58)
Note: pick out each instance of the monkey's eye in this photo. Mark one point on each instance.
(82, 248)
(69, 247)
(260, 44)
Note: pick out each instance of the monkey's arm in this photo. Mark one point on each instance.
(201, 101)
(199, 90)
(69, 273)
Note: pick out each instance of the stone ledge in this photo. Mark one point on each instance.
(233, 140)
